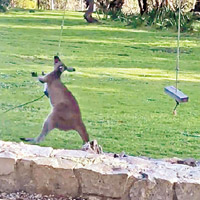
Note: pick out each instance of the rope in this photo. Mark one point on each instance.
(59, 45)
(178, 43)
(177, 104)
(191, 135)
(61, 29)
(24, 104)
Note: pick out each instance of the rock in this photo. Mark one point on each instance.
(189, 161)
(7, 170)
(7, 163)
(95, 198)
(35, 150)
(22, 150)
(71, 174)
(157, 189)
(109, 184)
(187, 191)
(21, 195)
(47, 176)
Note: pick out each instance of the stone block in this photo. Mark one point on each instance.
(158, 189)
(7, 183)
(35, 150)
(75, 173)
(187, 191)
(7, 163)
(47, 176)
(110, 185)
(7, 169)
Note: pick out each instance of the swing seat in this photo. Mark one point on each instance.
(176, 94)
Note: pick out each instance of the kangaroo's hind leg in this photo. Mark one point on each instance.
(47, 127)
(81, 129)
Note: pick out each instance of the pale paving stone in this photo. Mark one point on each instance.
(22, 150)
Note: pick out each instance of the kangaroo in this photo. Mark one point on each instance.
(65, 114)
(57, 62)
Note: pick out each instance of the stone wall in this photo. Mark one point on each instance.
(74, 173)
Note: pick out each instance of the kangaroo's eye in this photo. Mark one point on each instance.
(61, 68)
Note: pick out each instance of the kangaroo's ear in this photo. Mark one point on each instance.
(56, 59)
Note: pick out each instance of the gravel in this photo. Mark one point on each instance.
(26, 196)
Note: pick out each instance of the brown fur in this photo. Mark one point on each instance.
(65, 113)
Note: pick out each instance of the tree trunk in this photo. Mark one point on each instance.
(157, 4)
(38, 4)
(197, 6)
(140, 6)
(52, 4)
(143, 6)
(12, 4)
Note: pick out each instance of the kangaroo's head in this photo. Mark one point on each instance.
(58, 63)
(59, 68)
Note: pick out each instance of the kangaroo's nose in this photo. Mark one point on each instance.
(70, 69)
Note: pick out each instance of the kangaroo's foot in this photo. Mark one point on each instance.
(90, 19)
(32, 140)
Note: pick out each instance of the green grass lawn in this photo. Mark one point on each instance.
(119, 83)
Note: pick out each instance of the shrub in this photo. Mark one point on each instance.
(162, 18)
(4, 5)
(165, 18)
(25, 4)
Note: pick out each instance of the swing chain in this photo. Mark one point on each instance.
(178, 43)
(178, 52)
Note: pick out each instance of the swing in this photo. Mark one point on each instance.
(172, 91)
